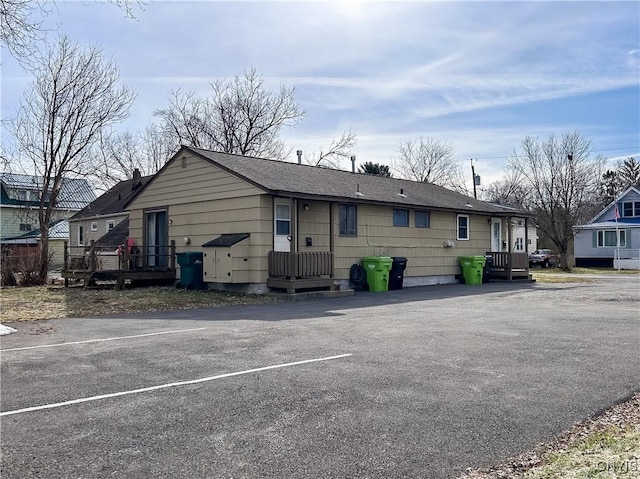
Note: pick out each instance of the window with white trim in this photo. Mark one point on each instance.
(630, 209)
(463, 227)
(80, 235)
(110, 225)
(94, 226)
(607, 239)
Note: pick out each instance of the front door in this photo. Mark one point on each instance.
(281, 225)
(496, 235)
(157, 238)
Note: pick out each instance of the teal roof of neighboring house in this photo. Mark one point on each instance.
(57, 231)
(75, 193)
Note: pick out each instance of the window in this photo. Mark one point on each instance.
(463, 227)
(607, 239)
(423, 219)
(348, 220)
(630, 209)
(283, 220)
(94, 226)
(519, 244)
(25, 227)
(110, 225)
(80, 235)
(400, 217)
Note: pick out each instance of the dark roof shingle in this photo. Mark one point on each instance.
(278, 177)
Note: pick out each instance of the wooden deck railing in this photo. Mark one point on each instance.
(509, 265)
(116, 258)
(509, 260)
(300, 265)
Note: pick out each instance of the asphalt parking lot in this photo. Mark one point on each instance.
(422, 382)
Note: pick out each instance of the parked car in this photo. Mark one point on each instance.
(545, 258)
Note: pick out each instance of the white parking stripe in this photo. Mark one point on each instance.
(100, 340)
(165, 386)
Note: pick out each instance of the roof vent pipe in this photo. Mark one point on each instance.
(299, 153)
(353, 163)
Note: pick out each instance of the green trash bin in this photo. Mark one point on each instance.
(190, 270)
(472, 268)
(377, 269)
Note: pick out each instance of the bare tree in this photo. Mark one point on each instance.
(241, 117)
(22, 24)
(562, 178)
(122, 153)
(339, 149)
(75, 96)
(431, 161)
(508, 191)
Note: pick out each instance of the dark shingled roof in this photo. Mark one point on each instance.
(228, 239)
(117, 236)
(114, 200)
(303, 181)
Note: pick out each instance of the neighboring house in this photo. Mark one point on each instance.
(604, 238)
(522, 241)
(20, 203)
(58, 235)
(105, 218)
(236, 210)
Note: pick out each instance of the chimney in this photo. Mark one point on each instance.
(137, 179)
(299, 153)
(353, 164)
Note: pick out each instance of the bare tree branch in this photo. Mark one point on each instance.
(22, 24)
(339, 149)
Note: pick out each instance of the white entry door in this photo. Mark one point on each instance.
(496, 235)
(281, 225)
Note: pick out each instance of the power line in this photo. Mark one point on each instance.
(595, 151)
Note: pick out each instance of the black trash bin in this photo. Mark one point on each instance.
(190, 270)
(396, 275)
(486, 271)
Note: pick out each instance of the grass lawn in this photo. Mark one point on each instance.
(50, 302)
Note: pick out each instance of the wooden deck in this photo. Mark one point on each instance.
(297, 271)
(90, 264)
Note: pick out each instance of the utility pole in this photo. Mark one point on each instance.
(476, 180)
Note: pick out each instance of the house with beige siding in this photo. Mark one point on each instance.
(247, 215)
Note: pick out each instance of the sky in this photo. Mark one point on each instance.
(480, 75)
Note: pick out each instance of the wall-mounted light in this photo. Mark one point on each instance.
(489, 220)
(306, 207)
(187, 240)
